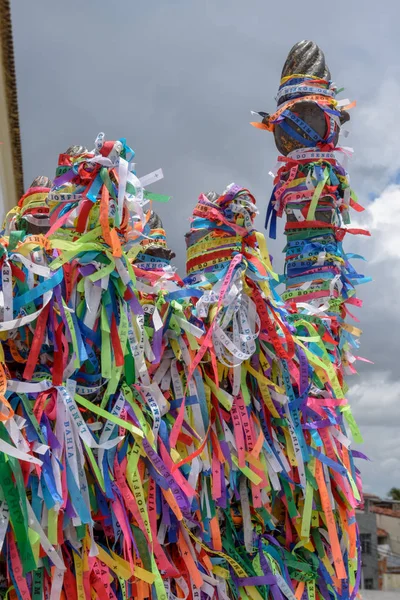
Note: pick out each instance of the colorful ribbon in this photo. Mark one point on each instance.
(162, 438)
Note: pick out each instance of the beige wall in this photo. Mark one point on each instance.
(8, 191)
(392, 526)
(8, 194)
(391, 581)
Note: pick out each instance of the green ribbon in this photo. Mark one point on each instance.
(18, 522)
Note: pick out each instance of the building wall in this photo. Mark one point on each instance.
(8, 193)
(392, 526)
(391, 581)
(367, 525)
(11, 174)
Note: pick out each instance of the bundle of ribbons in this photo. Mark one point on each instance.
(32, 211)
(282, 476)
(96, 341)
(162, 438)
(312, 189)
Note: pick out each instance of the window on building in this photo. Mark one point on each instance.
(369, 584)
(365, 543)
(382, 536)
(381, 540)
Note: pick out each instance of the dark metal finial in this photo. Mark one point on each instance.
(306, 58)
(76, 150)
(41, 181)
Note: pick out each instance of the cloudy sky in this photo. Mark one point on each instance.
(178, 79)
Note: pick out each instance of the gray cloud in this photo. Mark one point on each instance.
(178, 79)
